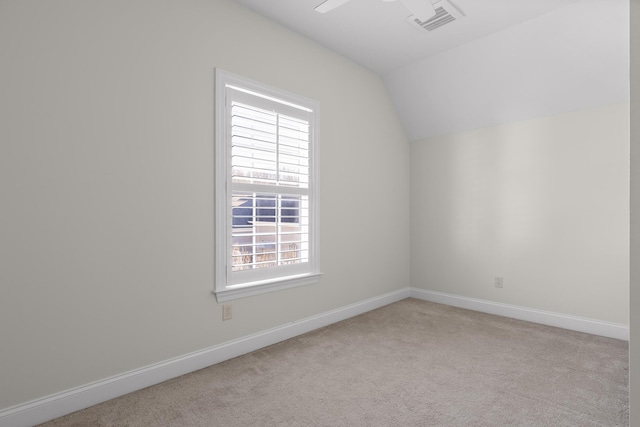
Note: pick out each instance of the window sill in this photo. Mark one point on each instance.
(261, 287)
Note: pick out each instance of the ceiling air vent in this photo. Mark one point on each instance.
(445, 13)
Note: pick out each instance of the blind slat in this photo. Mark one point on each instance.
(270, 177)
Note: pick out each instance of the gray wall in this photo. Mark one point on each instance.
(106, 182)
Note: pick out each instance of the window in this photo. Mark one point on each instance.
(266, 188)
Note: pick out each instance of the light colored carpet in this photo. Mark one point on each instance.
(412, 363)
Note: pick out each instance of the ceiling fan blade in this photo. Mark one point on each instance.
(421, 9)
(329, 5)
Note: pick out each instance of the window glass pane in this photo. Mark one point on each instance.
(269, 230)
(293, 155)
(254, 144)
(268, 148)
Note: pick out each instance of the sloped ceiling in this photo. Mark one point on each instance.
(505, 60)
(573, 58)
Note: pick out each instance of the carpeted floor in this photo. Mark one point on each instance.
(412, 363)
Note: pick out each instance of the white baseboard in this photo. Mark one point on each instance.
(574, 323)
(45, 409)
(48, 408)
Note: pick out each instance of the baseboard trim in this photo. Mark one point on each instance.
(574, 323)
(45, 409)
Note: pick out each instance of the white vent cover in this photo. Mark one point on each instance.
(445, 13)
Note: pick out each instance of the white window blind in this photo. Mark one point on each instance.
(270, 195)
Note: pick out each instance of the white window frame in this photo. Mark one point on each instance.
(229, 284)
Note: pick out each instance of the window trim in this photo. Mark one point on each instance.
(222, 289)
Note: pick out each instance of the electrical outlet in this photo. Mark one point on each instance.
(226, 312)
(498, 282)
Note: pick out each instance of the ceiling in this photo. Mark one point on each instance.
(504, 61)
(376, 34)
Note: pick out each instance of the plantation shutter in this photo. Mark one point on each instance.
(269, 186)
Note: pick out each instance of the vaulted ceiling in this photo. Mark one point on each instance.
(499, 61)
(376, 34)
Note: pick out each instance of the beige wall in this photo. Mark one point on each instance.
(106, 182)
(106, 188)
(543, 203)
